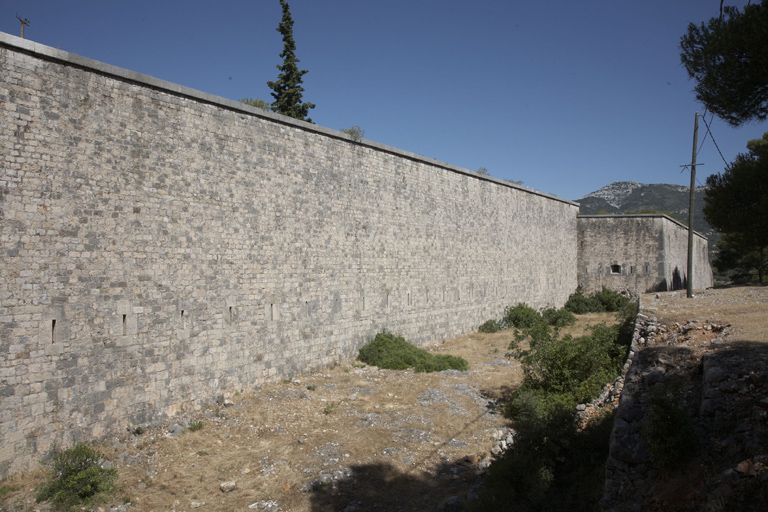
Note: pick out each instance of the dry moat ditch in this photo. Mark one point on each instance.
(352, 437)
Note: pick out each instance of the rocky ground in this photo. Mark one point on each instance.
(350, 438)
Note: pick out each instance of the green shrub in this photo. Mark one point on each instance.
(522, 316)
(611, 300)
(668, 431)
(562, 371)
(554, 465)
(392, 352)
(563, 365)
(580, 304)
(489, 326)
(558, 317)
(77, 477)
(195, 426)
(604, 300)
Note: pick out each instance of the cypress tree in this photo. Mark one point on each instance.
(287, 89)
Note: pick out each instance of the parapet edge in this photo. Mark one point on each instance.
(54, 54)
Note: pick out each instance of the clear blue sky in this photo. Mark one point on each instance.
(566, 95)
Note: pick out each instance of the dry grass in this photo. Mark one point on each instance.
(746, 308)
(402, 451)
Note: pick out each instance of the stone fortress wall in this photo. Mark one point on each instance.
(162, 247)
(639, 253)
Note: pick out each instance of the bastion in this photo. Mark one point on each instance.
(639, 253)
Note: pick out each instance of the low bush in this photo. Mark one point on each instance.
(77, 477)
(563, 371)
(392, 352)
(558, 317)
(568, 370)
(611, 300)
(581, 304)
(553, 464)
(522, 316)
(604, 300)
(489, 326)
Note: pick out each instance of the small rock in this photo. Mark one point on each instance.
(729, 476)
(174, 430)
(195, 504)
(228, 486)
(746, 468)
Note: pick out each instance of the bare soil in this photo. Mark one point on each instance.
(353, 437)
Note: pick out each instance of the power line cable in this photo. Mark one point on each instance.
(727, 166)
(704, 139)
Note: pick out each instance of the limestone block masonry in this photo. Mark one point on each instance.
(162, 247)
(639, 253)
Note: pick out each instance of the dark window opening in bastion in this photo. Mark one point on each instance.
(615, 269)
(53, 330)
(125, 321)
(183, 318)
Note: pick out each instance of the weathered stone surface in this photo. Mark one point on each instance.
(162, 247)
(638, 253)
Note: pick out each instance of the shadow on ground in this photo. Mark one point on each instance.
(382, 487)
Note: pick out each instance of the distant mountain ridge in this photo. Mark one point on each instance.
(624, 196)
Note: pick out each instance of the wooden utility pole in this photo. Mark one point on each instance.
(24, 22)
(689, 279)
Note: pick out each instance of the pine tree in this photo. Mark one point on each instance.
(728, 58)
(287, 89)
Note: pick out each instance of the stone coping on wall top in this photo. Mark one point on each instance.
(631, 215)
(54, 54)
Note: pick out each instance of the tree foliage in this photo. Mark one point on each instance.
(728, 59)
(736, 202)
(355, 132)
(737, 263)
(256, 102)
(287, 89)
